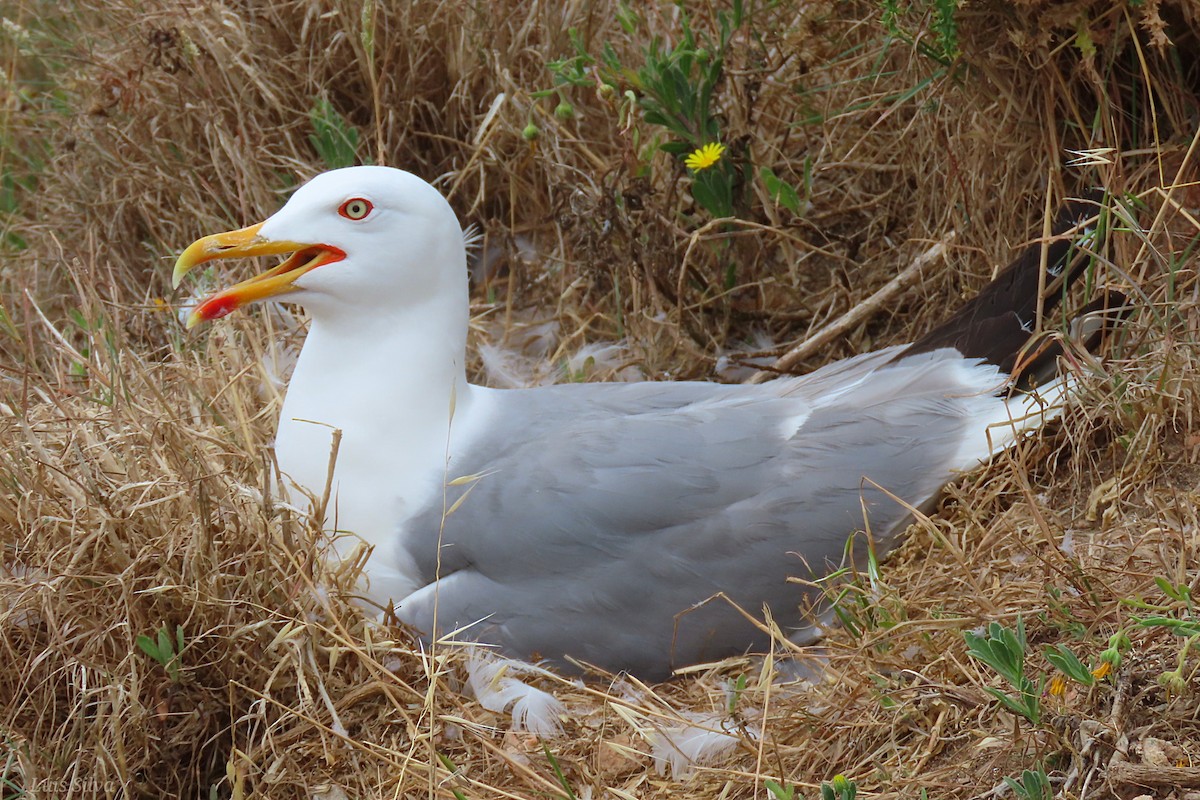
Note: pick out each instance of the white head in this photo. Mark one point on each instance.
(361, 239)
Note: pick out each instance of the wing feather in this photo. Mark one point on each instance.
(607, 513)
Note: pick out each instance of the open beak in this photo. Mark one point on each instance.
(243, 243)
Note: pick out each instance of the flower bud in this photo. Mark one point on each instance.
(1112, 656)
(1173, 682)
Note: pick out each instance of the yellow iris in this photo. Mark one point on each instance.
(705, 157)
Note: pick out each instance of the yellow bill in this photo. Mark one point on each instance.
(245, 243)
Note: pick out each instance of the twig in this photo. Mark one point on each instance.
(858, 314)
(1124, 773)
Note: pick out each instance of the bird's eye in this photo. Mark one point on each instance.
(356, 208)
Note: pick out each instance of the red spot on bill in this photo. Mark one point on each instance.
(217, 307)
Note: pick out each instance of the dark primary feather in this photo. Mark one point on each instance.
(996, 324)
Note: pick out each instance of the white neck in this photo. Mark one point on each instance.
(388, 382)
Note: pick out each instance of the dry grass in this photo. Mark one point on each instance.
(134, 457)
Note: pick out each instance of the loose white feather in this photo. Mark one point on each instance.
(494, 683)
(698, 740)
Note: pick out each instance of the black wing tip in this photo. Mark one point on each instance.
(1037, 362)
(997, 325)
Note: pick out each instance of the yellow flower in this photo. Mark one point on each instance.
(1058, 685)
(1102, 671)
(705, 157)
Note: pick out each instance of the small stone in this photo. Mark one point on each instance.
(617, 757)
(1160, 753)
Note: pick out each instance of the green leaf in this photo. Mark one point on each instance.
(558, 773)
(1180, 627)
(739, 686)
(780, 191)
(164, 648)
(1004, 651)
(780, 792)
(627, 18)
(164, 642)
(367, 34)
(147, 646)
(845, 788)
(1083, 39)
(453, 769)
(333, 137)
(1069, 664)
(711, 191)
(1033, 785)
(1180, 592)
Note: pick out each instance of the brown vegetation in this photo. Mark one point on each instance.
(135, 463)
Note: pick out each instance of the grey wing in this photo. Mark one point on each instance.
(607, 515)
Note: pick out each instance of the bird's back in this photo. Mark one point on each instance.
(625, 525)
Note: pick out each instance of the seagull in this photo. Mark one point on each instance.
(635, 527)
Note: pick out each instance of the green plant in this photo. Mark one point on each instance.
(783, 193)
(13, 188)
(860, 611)
(1071, 666)
(10, 774)
(1034, 784)
(780, 791)
(1060, 614)
(1185, 626)
(333, 137)
(1065, 660)
(840, 788)
(164, 649)
(35, 58)
(735, 689)
(1181, 622)
(1179, 592)
(1004, 651)
(862, 608)
(558, 773)
(675, 87)
(881, 688)
(453, 768)
(938, 15)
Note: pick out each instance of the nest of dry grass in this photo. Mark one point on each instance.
(135, 458)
